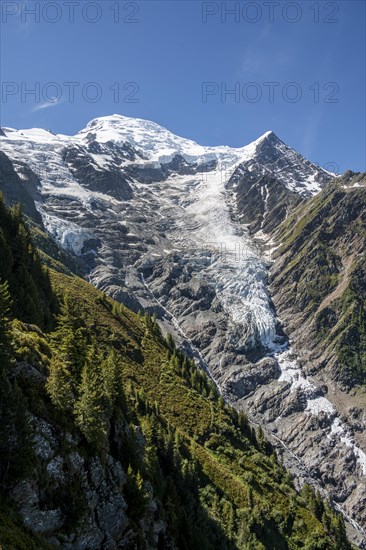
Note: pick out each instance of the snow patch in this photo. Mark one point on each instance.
(292, 373)
(341, 432)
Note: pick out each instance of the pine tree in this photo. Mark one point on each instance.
(319, 506)
(69, 356)
(59, 385)
(29, 285)
(112, 376)
(341, 535)
(70, 337)
(89, 410)
(27, 305)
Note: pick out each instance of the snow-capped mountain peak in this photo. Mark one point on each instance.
(103, 139)
(156, 142)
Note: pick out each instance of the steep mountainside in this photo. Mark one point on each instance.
(187, 232)
(111, 438)
(318, 287)
(318, 280)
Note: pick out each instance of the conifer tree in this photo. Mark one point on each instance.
(113, 384)
(29, 285)
(70, 336)
(59, 385)
(89, 410)
(70, 349)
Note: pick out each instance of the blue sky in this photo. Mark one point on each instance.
(297, 68)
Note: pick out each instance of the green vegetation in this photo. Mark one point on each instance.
(322, 252)
(343, 325)
(15, 449)
(352, 342)
(21, 267)
(108, 379)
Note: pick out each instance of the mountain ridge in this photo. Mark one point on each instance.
(191, 240)
(159, 144)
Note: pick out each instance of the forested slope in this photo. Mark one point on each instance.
(111, 438)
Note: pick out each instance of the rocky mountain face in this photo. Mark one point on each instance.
(318, 288)
(110, 437)
(318, 280)
(189, 232)
(271, 183)
(89, 486)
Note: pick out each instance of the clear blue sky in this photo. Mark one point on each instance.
(170, 51)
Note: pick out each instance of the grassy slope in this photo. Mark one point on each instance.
(228, 459)
(321, 256)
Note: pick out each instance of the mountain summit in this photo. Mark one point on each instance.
(111, 141)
